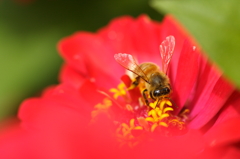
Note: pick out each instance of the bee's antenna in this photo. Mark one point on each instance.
(173, 103)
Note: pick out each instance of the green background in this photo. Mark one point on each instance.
(30, 31)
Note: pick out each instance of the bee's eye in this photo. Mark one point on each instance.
(157, 93)
(166, 90)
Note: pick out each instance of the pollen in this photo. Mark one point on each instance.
(125, 133)
(159, 113)
(134, 120)
(101, 108)
(177, 123)
(120, 91)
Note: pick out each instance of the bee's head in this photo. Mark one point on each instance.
(156, 93)
(159, 85)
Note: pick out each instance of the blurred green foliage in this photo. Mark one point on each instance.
(29, 33)
(215, 24)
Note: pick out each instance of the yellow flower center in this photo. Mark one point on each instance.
(137, 119)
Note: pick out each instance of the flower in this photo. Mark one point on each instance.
(95, 113)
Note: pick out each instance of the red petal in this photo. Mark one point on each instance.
(187, 146)
(140, 37)
(72, 51)
(210, 100)
(85, 52)
(71, 77)
(144, 40)
(35, 111)
(115, 35)
(126, 80)
(225, 126)
(232, 153)
(187, 73)
(225, 133)
(231, 108)
(89, 92)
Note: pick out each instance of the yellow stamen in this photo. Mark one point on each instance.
(101, 108)
(178, 123)
(153, 105)
(167, 109)
(150, 119)
(121, 91)
(163, 116)
(163, 124)
(138, 128)
(165, 102)
(154, 127)
(131, 123)
(131, 87)
(124, 125)
(168, 103)
(157, 114)
(129, 107)
(143, 123)
(124, 133)
(153, 113)
(106, 104)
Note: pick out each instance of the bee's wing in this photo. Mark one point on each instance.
(129, 62)
(166, 52)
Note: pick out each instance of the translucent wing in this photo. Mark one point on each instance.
(128, 61)
(166, 52)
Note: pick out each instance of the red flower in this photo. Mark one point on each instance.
(91, 114)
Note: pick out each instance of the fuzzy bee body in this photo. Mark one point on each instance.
(158, 84)
(155, 81)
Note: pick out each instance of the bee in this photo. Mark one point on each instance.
(156, 81)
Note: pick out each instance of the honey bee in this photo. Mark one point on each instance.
(156, 81)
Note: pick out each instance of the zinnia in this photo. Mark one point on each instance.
(92, 113)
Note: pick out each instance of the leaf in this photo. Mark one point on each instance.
(214, 25)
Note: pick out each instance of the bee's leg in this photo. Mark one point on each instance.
(158, 100)
(174, 104)
(145, 97)
(135, 83)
